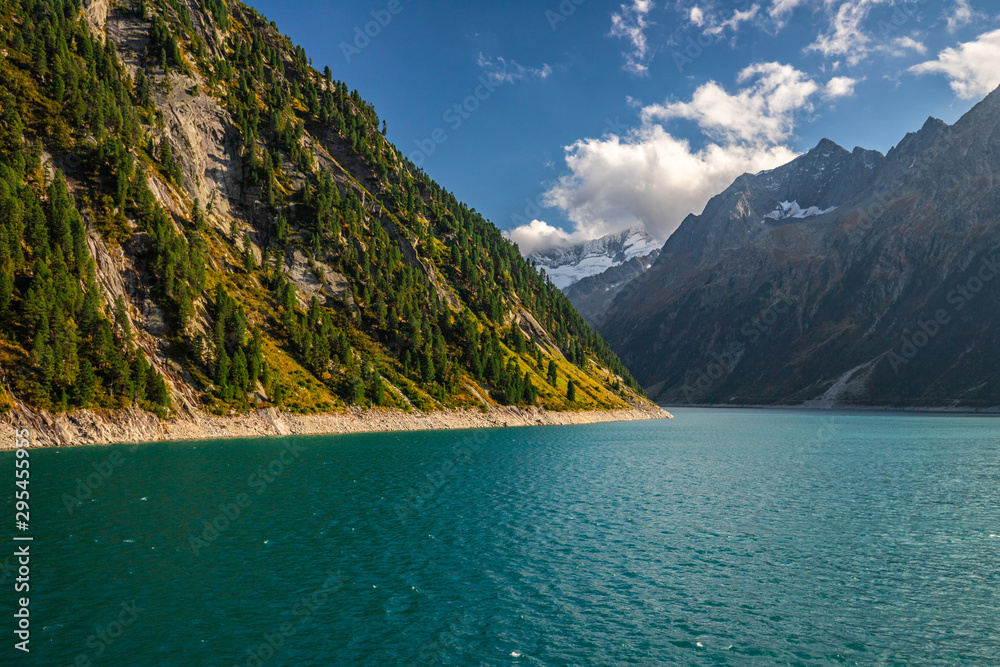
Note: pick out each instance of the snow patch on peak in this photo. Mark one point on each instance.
(791, 209)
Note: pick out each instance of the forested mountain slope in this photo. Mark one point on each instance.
(193, 218)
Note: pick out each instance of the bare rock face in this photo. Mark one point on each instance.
(110, 265)
(201, 136)
(536, 332)
(841, 277)
(199, 130)
(96, 14)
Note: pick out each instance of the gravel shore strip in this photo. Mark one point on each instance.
(86, 427)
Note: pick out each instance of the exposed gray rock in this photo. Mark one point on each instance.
(96, 14)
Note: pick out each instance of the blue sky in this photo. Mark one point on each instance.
(577, 118)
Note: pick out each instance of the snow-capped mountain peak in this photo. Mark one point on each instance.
(569, 264)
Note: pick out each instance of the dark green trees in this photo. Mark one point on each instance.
(419, 299)
(80, 350)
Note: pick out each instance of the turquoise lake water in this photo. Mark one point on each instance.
(722, 537)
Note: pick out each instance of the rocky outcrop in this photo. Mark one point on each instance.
(96, 14)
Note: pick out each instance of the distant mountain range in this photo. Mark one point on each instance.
(840, 278)
(570, 264)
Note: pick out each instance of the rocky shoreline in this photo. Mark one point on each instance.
(86, 427)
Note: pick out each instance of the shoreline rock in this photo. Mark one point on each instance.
(133, 426)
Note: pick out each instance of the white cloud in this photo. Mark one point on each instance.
(501, 70)
(902, 45)
(839, 86)
(697, 16)
(734, 22)
(631, 24)
(538, 235)
(650, 177)
(961, 15)
(973, 68)
(761, 112)
(846, 36)
(781, 8)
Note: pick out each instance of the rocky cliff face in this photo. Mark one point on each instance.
(842, 278)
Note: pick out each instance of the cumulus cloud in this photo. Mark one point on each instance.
(760, 113)
(972, 68)
(501, 70)
(630, 24)
(839, 86)
(961, 15)
(652, 178)
(538, 235)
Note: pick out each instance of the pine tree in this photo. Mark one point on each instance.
(86, 384)
(239, 376)
(222, 365)
(249, 259)
(123, 328)
(530, 392)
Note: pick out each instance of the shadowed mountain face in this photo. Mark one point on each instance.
(593, 295)
(840, 278)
